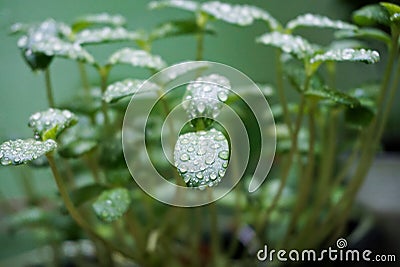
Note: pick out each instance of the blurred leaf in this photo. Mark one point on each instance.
(294, 45)
(98, 19)
(394, 12)
(346, 43)
(297, 77)
(137, 58)
(242, 15)
(277, 110)
(371, 15)
(333, 96)
(318, 21)
(54, 46)
(127, 87)
(172, 73)
(106, 35)
(20, 27)
(347, 54)
(27, 218)
(111, 152)
(181, 4)
(112, 204)
(87, 103)
(77, 148)
(16, 152)
(86, 193)
(177, 28)
(359, 117)
(367, 33)
(51, 123)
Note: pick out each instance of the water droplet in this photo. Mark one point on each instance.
(224, 154)
(201, 107)
(184, 157)
(209, 160)
(213, 176)
(222, 96)
(199, 175)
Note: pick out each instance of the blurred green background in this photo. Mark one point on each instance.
(22, 91)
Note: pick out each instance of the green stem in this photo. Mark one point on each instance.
(306, 178)
(84, 77)
(75, 213)
(104, 72)
(49, 89)
(282, 95)
(214, 229)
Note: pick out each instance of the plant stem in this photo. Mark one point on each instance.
(49, 89)
(104, 71)
(84, 77)
(75, 213)
(214, 229)
(282, 95)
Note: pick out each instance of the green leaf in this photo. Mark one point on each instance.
(16, 152)
(346, 43)
(371, 15)
(359, 117)
(86, 193)
(128, 87)
(106, 35)
(77, 148)
(201, 158)
(51, 123)
(137, 58)
(111, 152)
(177, 28)
(394, 12)
(170, 74)
(242, 15)
(365, 33)
(333, 96)
(318, 21)
(28, 217)
(87, 103)
(297, 77)
(294, 45)
(205, 96)
(84, 22)
(180, 4)
(112, 204)
(347, 54)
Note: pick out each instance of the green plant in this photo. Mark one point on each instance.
(311, 193)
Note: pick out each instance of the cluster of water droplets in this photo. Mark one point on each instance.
(319, 21)
(137, 58)
(106, 34)
(125, 88)
(348, 54)
(182, 4)
(112, 204)
(103, 18)
(41, 122)
(16, 152)
(202, 157)
(205, 96)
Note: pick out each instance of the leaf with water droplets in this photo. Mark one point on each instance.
(84, 102)
(202, 158)
(178, 70)
(181, 4)
(394, 12)
(242, 15)
(16, 152)
(318, 21)
(347, 54)
(106, 35)
(291, 44)
(137, 58)
(20, 27)
(54, 46)
(84, 22)
(365, 33)
(112, 204)
(205, 96)
(51, 123)
(332, 96)
(371, 15)
(178, 28)
(127, 87)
